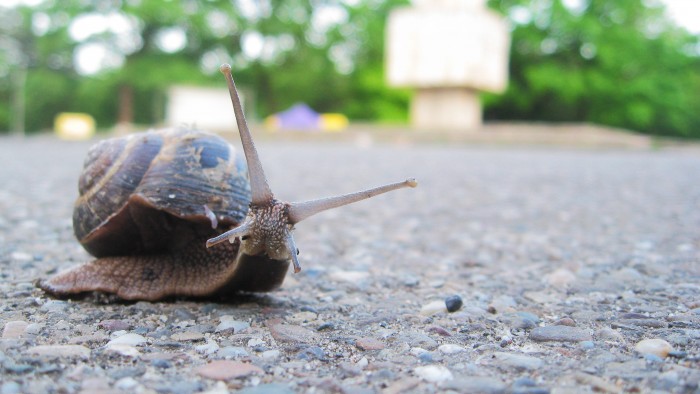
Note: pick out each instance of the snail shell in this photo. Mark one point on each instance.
(153, 206)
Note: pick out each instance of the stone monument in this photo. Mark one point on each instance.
(449, 51)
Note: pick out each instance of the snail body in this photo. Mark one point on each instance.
(153, 206)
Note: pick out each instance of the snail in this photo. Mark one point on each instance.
(156, 208)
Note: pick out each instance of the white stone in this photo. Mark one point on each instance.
(127, 383)
(273, 354)
(434, 373)
(518, 361)
(417, 351)
(14, 329)
(210, 347)
(362, 363)
(655, 346)
(123, 349)
(450, 348)
(433, 307)
(130, 339)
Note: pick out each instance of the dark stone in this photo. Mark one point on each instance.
(678, 354)
(326, 326)
(307, 308)
(426, 358)
(311, 353)
(183, 314)
(127, 372)
(18, 368)
(453, 303)
(160, 363)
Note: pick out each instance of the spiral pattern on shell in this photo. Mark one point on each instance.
(147, 192)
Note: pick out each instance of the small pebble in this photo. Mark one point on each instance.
(269, 355)
(439, 330)
(70, 351)
(187, 336)
(609, 334)
(312, 353)
(677, 354)
(587, 345)
(127, 383)
(450, 348)
(559, 334)
(293, 334)
(426, 358)
(128, 339)
(652, 358)
(362, 363)
(235, 326)
(33, 329)
(415, 339)
(519, 362)
(656, 346)
(369, 344)
(114, 325)
(433, 308)
(302, 317)
(123, 349)
(565, 321)
(226, 370)
(54, 306)
(210, 347)
(160, 363)
(505, 341)
(453, 303)
(326, 326)
(232, 352)
(14, 329)
(434, 373)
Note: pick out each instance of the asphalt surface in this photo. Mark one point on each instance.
(566, 260)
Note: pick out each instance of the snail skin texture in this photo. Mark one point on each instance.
(156, 208)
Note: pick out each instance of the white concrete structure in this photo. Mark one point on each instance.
(203, 108)
(448, 50)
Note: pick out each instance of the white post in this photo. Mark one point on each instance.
(449, 51)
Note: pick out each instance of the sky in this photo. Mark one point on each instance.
(686, 13)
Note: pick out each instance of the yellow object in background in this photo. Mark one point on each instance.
(333, 122)
(74, 126)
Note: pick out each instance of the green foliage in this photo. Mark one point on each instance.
(337, 68)
(614, 63)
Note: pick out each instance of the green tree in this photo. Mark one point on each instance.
(333, 66)
(615, 63)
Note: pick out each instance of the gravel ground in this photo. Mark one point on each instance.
(578, 271)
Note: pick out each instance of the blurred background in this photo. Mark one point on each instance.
(632, 64)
